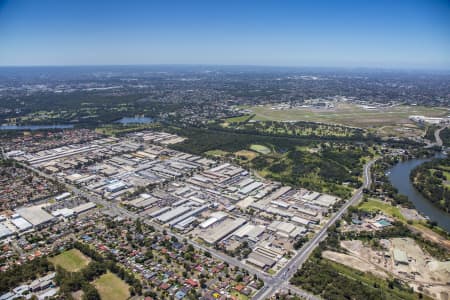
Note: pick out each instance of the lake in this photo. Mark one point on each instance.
(35, 127)
(135, 120)
(399, 178)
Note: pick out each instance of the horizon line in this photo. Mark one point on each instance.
(386, 68)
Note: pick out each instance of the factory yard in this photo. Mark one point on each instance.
(401, 258)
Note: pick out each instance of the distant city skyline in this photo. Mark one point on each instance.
(374, 34)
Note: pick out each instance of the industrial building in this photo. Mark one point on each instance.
(5, 231)
(189, 214)
(249, 231)
(214, 218)
(217, 233)
(35, 215)
(21, 223)
(285, 229)
(173, 213)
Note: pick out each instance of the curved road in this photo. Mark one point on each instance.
(437, 136)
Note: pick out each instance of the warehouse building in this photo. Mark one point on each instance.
(173, 213)
(35, 215)
(5, 231)
(214, 218)
(62, 196)
(83, 207)
(217, 233)
(21, 223)
(249, 231)
(285, 229)
(185, 223)
(189, 214)
(115, 186)
(250, 188)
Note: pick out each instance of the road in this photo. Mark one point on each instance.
(271, 283)
(437, 136)
(280, 280)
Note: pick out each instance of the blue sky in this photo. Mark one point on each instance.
(363, 33)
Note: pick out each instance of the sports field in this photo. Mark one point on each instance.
(111, 287)
(72, 260)
(349, 114)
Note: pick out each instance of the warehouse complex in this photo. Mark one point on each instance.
(217, 203)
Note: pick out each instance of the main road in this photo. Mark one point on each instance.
(437, 136)
(271, 283)
(280, 280)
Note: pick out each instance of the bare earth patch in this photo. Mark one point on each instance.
(353, 262)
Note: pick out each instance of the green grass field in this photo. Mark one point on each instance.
(72, 260)
(239, 295)
(240, 119)
(260, 149)
(217, 153)
(373, 205)
(111, 287)
(348, 114)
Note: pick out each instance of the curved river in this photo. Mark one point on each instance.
(399, 177)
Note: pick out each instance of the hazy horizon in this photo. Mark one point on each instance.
(324, 34)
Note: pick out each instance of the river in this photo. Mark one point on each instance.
(34, 127)
(399, 178)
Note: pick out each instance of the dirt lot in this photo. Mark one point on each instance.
(411, 214)
(354, 262)
(422, 272)
(431, 235)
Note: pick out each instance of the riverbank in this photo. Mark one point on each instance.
(399, 176)
(432, 180)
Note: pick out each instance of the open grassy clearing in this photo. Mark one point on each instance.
(216, 153)
(72, 260)
(349, 114)
(111, 287)
(249, 155)
(373, 205)
(239, 296)
(239, 119)
(260, 148)
(115, 129)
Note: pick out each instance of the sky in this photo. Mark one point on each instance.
(334, 33)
